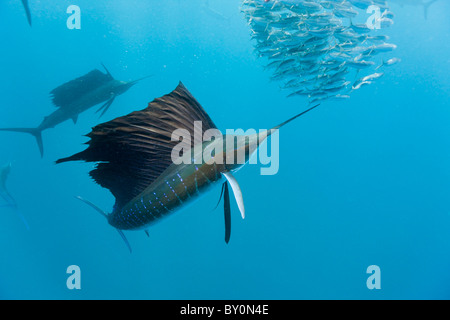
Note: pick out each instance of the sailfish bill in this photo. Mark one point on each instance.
(75, 97)
(133, 160)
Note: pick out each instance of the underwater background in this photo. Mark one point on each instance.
(365, 181)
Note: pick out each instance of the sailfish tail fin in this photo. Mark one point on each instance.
(22, 217)
(103, 213)
(27, 10)
(13, 206)
(426, 6)
(36, 132)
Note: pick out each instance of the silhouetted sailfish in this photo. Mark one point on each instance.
(425, 4)
(27, 10)
(77, 96)
(133, 155)
(4, 193)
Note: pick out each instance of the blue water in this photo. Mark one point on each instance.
(361, 182)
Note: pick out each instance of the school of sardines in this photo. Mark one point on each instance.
(317, 49)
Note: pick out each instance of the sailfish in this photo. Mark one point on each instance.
(4, 193)
(133, 156)
(75, 97)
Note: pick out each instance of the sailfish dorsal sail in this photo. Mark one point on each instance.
(67, 93)
(132, 151)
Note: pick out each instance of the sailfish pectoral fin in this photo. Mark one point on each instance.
(237, 192)
(221, 195)
(125, 240)
(103, 213)
(106, 106)
(227, 212)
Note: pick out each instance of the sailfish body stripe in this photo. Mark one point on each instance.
(182, 184)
